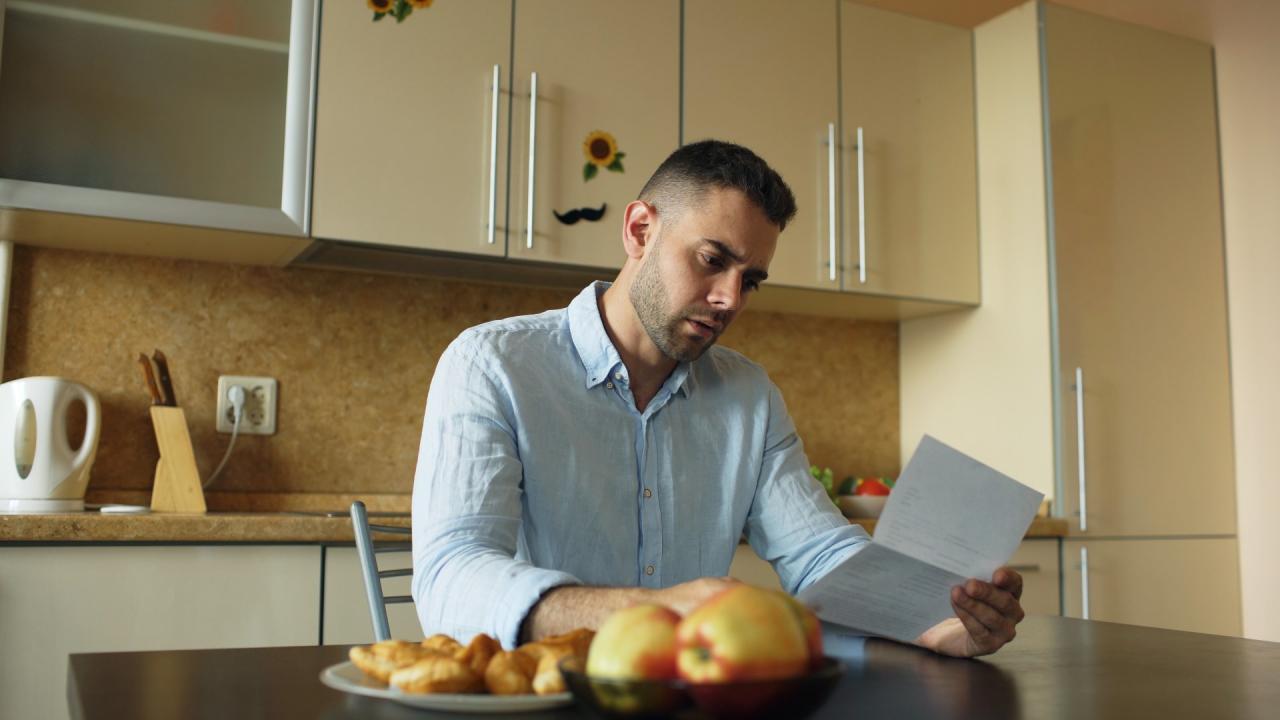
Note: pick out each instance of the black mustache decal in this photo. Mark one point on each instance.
(586, 213)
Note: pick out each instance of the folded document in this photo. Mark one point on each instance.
(949, 518)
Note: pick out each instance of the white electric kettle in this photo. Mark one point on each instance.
(39, 470)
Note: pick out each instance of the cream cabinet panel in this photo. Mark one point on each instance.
(611, 66)
(346, 608)
(750, 568)
(1141, 286)
(1179, 584)
(1037, 562)
(910, 215)
(781, 100)
(410, 148)
(55, 601)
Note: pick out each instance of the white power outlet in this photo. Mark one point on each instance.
(259, 405)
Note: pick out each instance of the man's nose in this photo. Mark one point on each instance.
(726, 293)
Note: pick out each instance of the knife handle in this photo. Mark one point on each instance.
(149, 376)
(166, 383)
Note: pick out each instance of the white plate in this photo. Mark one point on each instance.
(349, 678)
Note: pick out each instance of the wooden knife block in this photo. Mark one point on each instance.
(177, 487)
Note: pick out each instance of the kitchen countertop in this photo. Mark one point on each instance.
(257, 518)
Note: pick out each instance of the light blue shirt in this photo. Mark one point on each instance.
(536, 470)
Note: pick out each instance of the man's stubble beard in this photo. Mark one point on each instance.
(648, 296)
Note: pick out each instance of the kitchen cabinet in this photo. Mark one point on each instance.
(60, 600)
(895, 215)
(1181, 584)
(431, 171)
(1096, 369)
(160, 121)
(781, 100)
(346, 607)
(910, 209)
(1143, 380)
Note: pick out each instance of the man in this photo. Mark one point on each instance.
(608, 453)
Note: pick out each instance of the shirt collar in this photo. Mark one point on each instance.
(600, 359)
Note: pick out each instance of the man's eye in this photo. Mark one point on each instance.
(712, 260)
(750, 285)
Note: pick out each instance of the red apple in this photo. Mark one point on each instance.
(743, 633)
(812, 631)
(635, 643)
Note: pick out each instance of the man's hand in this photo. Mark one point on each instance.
(986, 616)
(686, 596)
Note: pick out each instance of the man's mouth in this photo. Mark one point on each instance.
(705, 328)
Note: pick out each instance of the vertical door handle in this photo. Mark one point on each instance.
(533, 154)
(493, 158)
(862, 213)
(1084, 582)
(1080, 468)
(831, 201)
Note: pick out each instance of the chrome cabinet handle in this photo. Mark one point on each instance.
(493, 159)
(862, 214)
(1084, 582)
(1080, 469)
(533, 155)
(831, 201)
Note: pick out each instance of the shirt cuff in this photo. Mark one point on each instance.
(527, 590)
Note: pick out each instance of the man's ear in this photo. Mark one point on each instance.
(639, 227)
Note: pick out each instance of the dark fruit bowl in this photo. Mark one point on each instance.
(794, 697)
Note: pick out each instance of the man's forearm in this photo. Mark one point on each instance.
(570, 607)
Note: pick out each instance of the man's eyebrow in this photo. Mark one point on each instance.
(755, 274)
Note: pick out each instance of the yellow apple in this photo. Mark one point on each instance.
(635, 643)
(743, 633)
(812, 630)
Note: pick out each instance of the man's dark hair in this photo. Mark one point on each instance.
(686, 175)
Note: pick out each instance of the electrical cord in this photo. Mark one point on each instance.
(237, 397)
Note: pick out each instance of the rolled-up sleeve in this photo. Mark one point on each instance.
(467, 507)
(792, 523)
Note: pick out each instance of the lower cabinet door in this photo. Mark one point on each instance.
(1179, 584)
(55, 601)
(346, 607)
(750, 568)
(1037, 562)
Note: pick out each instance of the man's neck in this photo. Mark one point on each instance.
(647, 367)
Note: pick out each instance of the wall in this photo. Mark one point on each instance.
(354, 355)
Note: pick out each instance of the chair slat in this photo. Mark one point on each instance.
(393, 529)
(405, 572)
(397, 599)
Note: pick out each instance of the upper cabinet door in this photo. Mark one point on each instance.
(762, 73)
(410, 132)
(606, 114)
(910, 199)
(1144, 369)
(192, 113)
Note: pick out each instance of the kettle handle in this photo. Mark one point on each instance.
(93, 413)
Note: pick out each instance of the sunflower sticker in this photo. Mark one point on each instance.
(602, 152)
(398, 9)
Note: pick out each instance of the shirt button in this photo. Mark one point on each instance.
(648, 493)
(648, 570)
(617, 376)
(609, 385)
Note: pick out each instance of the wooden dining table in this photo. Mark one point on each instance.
(1056, 668)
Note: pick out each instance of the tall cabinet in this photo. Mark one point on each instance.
(868, 115)
(1121, 343)
(494, 128)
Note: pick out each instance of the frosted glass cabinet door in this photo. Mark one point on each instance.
(193, 113)
(411, 136)
(910, 217)
(780, 99)
(602, 65)
(1141, 283)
